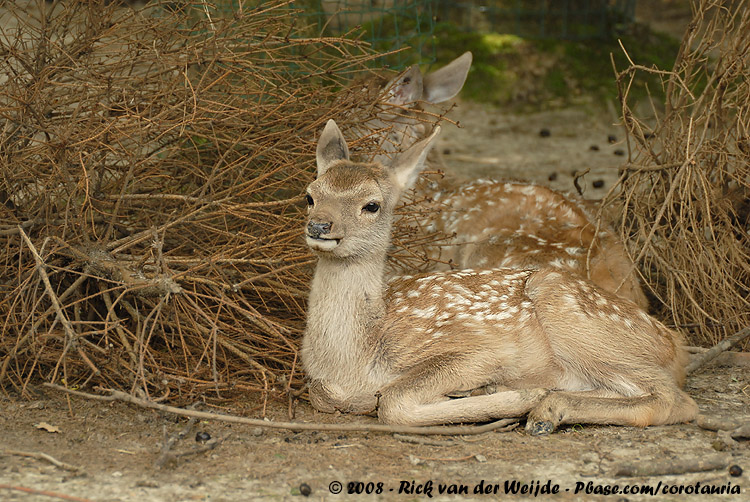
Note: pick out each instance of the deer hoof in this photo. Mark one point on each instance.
(540, 427)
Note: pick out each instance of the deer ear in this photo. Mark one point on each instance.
(407, 166)
(331, 147)
(405, 88)
(445, 83)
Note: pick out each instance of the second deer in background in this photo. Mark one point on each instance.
(493, 223)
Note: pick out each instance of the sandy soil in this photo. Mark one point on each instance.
(547, 147)
(115, 445)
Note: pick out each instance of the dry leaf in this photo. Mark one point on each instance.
(47, 427)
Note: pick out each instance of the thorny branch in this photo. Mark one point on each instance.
(161, 156)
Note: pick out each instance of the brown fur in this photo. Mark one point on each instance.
(509, 224)
(560, 349)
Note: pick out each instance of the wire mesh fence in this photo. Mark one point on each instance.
(558, 19)
(401, 31)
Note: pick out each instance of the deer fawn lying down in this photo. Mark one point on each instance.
(560, 349)
(495, 223)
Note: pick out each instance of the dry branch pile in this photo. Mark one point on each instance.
(152, 170)
(685, 193)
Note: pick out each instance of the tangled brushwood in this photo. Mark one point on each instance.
(685, 193)
(153, 165)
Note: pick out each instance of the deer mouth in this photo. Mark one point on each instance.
(321, 243)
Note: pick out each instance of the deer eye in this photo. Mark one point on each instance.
(372, 207)
(309, 199)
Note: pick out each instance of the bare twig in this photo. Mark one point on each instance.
(44, 493)
(673, 466)
(165, 455)
(736, 428)
(168, 164)
(446, 459)
(741, 432)
(684, 190)
(40, 267)
(717, 349)
(42, 456)
(115, 395)
(422, 440)
(716, 424)
(209, 446)
(577, 180)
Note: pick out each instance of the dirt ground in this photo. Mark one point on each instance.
(115, 446)
(545, 147)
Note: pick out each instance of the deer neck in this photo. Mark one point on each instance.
(345, 305)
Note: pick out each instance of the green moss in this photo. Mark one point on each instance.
(490, 79)
(510, 70)
(497, 43)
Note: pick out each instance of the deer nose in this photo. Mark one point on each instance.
(316, 229)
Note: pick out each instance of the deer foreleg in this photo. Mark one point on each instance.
(419, 397)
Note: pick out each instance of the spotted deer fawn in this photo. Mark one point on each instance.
(495, 223)
(557, 347)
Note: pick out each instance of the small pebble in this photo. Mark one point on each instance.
(620, 152)
(202, 437)
(545, 133)
(735, 471)
(552, 177)
(480, 458)
(597, 183)
(305, 489)
(611, 139)
(258, 431)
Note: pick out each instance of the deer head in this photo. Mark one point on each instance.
(350, 204)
